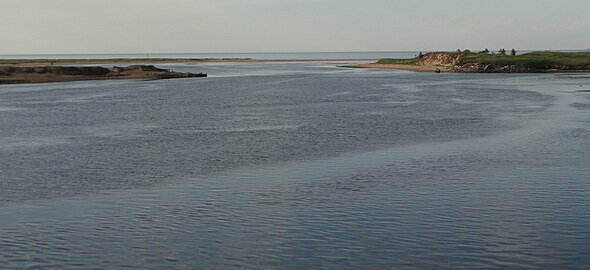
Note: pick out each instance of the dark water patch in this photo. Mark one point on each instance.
(580, 106)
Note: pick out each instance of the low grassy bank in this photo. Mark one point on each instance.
(43, 74)
(498, 63)
(538, 60)
(392, 61)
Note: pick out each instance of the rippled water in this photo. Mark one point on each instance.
(297, 166)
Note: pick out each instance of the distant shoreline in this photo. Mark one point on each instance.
(45, 74)
(57, 62)
(488, 62)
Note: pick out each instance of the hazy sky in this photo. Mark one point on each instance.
(158, 26)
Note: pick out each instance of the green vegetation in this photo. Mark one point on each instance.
(538, 60)
(533, 61)
(42, 74)
(392, 61)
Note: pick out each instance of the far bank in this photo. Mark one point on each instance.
(485, 62)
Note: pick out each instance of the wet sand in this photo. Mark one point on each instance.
(425, 68)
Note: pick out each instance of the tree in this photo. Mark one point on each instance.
(502, 51)
(513, 52)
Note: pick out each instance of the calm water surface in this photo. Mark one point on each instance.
(263, 55)
(297, 166)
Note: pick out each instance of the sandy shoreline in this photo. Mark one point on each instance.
(414, 68)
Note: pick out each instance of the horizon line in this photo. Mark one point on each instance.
(282, 52)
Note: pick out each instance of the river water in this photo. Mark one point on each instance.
(297, 166)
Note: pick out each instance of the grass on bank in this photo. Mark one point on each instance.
(538, 60)
(392, 61)
(541, 60)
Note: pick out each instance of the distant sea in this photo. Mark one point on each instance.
(262, 56)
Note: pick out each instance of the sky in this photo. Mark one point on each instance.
(221, 26)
